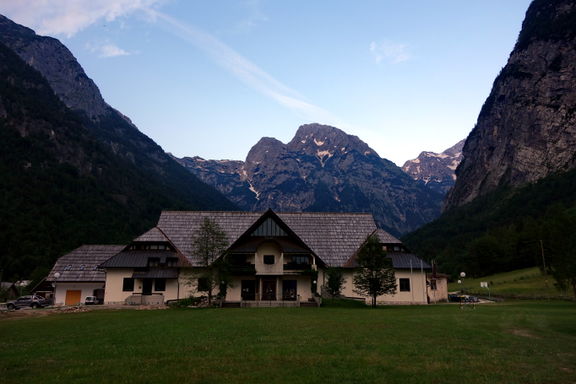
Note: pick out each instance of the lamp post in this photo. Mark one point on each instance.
(56, 277)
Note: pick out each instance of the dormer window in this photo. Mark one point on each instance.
(269, 259)
(153, 261)
(171, 261)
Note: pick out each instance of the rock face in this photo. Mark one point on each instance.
(526, 129)
(321, 169)
(436, 170)
(57, 64)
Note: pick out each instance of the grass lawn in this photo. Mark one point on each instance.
(515, 342)
(528, 282)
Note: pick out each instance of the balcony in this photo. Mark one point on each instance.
(297, 267)
(242, 269)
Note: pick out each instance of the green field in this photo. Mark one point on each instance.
(517, 342)
(522, 283)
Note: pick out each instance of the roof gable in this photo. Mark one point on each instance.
(333, 237)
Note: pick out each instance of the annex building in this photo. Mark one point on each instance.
(273, 259)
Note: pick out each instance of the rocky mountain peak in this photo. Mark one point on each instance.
(321, 169)
(57, 64)
(526, 129)
(324, 141)
(436, 170)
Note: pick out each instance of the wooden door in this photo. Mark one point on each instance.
(73, 297)
(147, 286)
(268, 289)
(248, 289)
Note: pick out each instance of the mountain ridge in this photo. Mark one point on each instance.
(321, 168)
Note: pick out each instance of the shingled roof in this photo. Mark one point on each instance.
(82, 263)
(333, 237)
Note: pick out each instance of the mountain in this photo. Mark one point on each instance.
(321, 169)
(514, 201)
(436, 170)
(526, 129)
(73, 169)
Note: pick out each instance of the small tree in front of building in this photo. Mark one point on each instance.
(334, 282)
(209, 244)
(375, 274)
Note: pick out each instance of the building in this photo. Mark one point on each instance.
(77, 274)
(272, 258)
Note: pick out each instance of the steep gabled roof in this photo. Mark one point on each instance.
(82, 263)
(386, 238)
(333, 237)
(153, 235)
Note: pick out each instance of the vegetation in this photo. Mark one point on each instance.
(527, 283)
(209, 245)
(506, 230)
(334, 282)
(375, 274)
(513, 343)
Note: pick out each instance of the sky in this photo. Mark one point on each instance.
(210, 78)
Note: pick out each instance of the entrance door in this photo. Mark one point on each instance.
(268, 289)
(73, 297)
(289, 290)
(248, 289)
(147, 286)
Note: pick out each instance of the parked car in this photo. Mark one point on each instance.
(33, 301)
(92, 300)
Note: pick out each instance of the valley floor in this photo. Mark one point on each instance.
(511, 342)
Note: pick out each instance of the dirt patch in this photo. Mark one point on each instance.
(523, 333)
(26, 312)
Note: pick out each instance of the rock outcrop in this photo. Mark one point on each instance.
(436, 170)
(321, 169)
(526, 129)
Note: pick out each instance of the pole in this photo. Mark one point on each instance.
(543, 263)
(411, 280)
(425, 280)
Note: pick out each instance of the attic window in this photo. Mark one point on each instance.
(82, 267)
(68, 267)
(268, 259)
(153, 261)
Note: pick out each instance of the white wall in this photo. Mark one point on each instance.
(86, 288)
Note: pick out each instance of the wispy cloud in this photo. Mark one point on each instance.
(389, 51)
(108, 50)
(254, 17)
(68, 17)
(246, 71)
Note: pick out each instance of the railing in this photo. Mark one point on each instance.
(140, 299)
(243, 269)
(296, 267)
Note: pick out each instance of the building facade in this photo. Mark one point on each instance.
(271, 259)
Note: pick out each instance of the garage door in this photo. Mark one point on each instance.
(73, 297)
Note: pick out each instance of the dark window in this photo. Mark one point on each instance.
(160, 285)
(171, 261)
(153, 261)
(203, 284)
(268, 259)
(433, 285)
(128, 284)
(404, 285)
(300, 259)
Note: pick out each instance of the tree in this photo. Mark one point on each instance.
(375, 275)
(335, 281)
(209, 245)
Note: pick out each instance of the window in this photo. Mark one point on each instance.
(300, 259)
(404, 285)
(171, 261)
(268, 259)
(128, 284)
(153, 261)
(433, 285)
(203, 284)
(160, 285)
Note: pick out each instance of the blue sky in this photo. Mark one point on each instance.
(210, 78)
